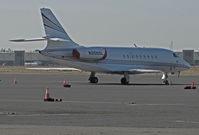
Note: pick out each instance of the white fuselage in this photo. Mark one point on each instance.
(120, 60)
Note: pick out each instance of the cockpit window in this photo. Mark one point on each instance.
(174, 55)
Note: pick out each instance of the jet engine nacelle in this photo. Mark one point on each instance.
(93, 54)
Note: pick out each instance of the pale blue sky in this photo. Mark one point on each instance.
(148, 23)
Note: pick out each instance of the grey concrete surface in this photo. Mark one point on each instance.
(96, 106)
(77, 130)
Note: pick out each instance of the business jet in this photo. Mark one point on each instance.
(114, 60)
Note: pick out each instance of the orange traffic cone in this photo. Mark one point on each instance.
(65, 84)
(47, 95)
(15, 81)
(49, 99)
(192, 85)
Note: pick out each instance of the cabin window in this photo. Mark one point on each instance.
(144, 57)
(152, 56)
(156, 57)
(128, 56)
(140, 56)
(148, 56)
(136, 57)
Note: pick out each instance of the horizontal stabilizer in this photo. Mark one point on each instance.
(28, 40)
(57, 69)
(40, 39)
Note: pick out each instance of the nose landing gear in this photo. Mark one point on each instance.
(164, 78)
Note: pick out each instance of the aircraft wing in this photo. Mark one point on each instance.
(59, 69)
(132, 70)
(136, 71)
(144, 71)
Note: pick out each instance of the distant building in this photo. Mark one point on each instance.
(188, 55)
(19, 58)
(196, 58)
(7, 59)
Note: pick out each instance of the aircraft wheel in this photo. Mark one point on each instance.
(93, 80)
(124, 81)
(166, 82)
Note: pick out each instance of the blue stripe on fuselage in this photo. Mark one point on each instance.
(51, 21)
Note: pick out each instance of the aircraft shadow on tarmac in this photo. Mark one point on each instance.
(142, 84)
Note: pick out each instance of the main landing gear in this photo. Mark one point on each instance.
(164, 78)
(125, 79)
(92, 78)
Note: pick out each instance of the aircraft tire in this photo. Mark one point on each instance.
(124, 81)
(93, 80)
(166, 82)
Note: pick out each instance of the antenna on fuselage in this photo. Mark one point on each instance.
(171, 46)
(135, 45)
